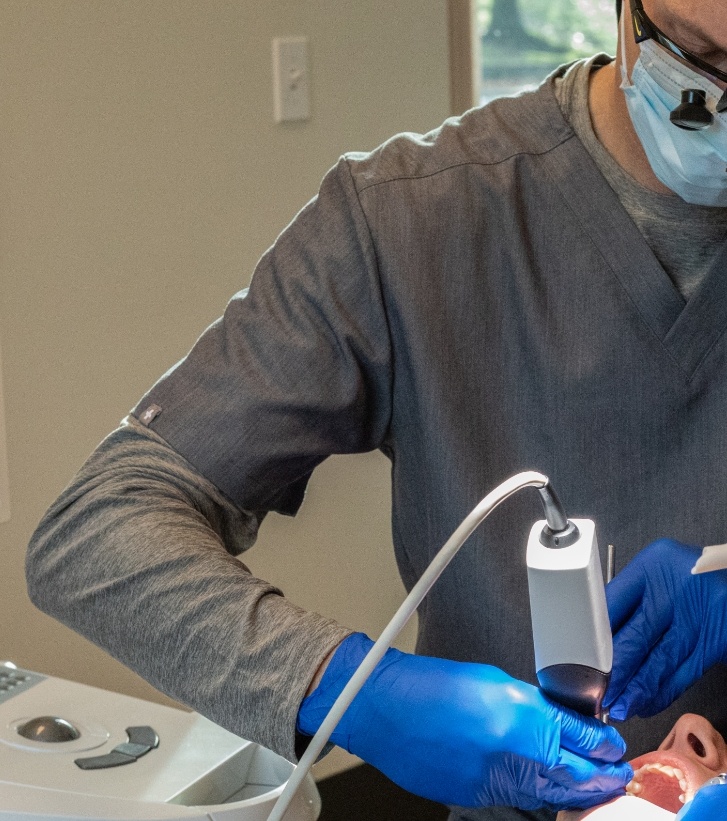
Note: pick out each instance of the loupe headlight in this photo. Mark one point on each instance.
(692, 113)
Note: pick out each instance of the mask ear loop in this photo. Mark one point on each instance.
(625, 82)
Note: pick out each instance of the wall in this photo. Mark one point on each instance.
(142, 176)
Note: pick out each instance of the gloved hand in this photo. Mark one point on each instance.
(467, 734)
(709, 804)
(669, 628)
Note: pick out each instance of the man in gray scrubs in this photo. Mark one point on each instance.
(537, 284)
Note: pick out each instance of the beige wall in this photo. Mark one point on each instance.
(141, 177)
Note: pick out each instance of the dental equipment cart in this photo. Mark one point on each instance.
(70, 752)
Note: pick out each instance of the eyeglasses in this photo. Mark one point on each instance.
(644, 29)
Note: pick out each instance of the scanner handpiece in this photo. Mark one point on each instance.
(571, 629)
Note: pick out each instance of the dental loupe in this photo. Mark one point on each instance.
(571, 630)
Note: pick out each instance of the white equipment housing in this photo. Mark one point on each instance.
(197, 772)
(571, 629)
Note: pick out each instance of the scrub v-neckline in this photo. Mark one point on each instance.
(687, 330)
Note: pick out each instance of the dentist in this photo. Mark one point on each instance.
(537, 284)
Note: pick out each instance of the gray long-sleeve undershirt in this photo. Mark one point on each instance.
(138, 514)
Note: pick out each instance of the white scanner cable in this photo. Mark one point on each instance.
(396, 625)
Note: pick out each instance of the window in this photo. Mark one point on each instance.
(518, 42)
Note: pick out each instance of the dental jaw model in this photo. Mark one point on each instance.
(692, 755)
(661, 780)
(657, 792)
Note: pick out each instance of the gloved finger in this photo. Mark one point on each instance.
(632, 701)
(542, 792)
(562, 798)
(632, 645)
(589, 777)
(590, 738)
(647, 695)
(526, 785)
(624, 594)
(671, 666)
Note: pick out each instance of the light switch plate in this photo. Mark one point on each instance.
(291, 85)
(4, 483)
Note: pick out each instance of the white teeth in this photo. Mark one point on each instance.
(672, 772)
(662, 768)
(634, 787)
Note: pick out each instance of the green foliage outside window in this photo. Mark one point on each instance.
(523, 40)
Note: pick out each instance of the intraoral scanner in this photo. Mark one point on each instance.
(571, 630)
(570, 572)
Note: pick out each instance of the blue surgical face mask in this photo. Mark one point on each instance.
(693, 164)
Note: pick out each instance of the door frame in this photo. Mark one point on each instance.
(463, 68)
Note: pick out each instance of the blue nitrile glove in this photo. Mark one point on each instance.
(669, 628)
(467, 734)
(709, 804)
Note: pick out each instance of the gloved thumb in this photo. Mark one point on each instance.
(590, 738)
(595, 782)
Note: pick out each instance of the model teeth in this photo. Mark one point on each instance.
(635, 786)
